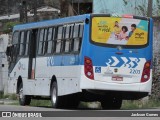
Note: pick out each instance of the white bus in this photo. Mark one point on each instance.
(79, 59)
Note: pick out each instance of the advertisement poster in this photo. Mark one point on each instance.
(119, 31)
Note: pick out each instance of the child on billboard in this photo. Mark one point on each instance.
(117, 29)
(123, 35)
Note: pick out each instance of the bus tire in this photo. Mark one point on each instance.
(23, 99)
(57, 101)
(111, 103)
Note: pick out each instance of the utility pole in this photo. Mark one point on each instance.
(150, 3)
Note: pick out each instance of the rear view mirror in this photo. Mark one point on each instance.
(8, 51)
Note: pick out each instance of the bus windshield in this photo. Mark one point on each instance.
(119, 31)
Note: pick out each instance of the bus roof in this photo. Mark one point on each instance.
(61, 21)
(53, 22)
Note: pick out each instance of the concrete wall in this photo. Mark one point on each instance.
(156, 59)
(3, 63)
(156, 45)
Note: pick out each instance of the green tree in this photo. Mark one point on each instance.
(9, 26)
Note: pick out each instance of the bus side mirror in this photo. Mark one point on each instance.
(8, 51)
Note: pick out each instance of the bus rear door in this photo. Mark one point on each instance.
(32, 54)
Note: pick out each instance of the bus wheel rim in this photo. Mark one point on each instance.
(21, 93)
(54, 95)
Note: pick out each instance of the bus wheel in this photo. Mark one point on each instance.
(57, 101)
(23, 99)
(111, 103)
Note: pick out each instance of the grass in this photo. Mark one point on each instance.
(43, 103)
(36, 103)
(12, 97)
(127, 104)
(1, 95)
(14, 103)
(8, 96)
(139, 104)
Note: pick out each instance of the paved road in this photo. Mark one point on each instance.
(31, 108)
(63, 111)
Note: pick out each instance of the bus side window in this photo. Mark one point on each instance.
(22, 39)
(59, 39)
(45, 42)
(67, 39)
(50, 40)
(27, 43)
(40, 46)
(15, 46)
(63, 38)
(54, 35)
(81, 29)
(77, 37)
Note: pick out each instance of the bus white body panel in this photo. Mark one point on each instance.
(97, 84)
(68, 78)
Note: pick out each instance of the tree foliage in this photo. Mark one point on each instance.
(141, 10)
(9, 26)
(125, 2)
(140, 6)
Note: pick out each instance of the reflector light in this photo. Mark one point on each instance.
(145, 76)
(89, 73)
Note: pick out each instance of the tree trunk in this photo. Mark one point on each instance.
(64, 7)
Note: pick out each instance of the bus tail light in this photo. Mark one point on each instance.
(146, 71)
(88, 68)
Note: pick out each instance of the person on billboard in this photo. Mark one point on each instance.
(117, 29)
(123, 34)
(133, 28)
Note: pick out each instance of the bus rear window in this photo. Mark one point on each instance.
(119, 31)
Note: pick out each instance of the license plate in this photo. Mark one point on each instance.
(117, 78)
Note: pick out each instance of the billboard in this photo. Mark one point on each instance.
(119, 31)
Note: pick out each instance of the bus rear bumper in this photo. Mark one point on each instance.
(124, 87)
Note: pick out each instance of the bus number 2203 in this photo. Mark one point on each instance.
(134, 71)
